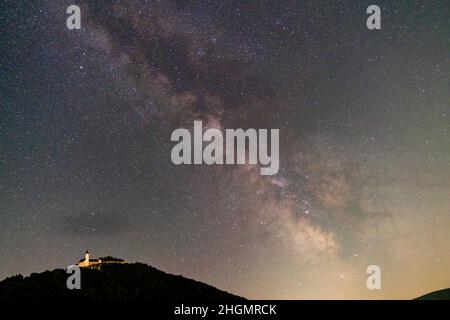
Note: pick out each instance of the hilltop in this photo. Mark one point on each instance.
(443, 294)
(127, 282)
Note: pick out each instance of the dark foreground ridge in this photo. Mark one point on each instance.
(443, 294)
(124, 282)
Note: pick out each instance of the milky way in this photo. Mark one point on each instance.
(364, 119)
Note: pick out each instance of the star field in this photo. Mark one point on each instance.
(364, 117)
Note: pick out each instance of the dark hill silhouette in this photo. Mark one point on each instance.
(127, 282)
(443, 294)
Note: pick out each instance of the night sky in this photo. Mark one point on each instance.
(364, 117)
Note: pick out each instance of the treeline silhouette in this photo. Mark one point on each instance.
(125, 282)
(443, 294)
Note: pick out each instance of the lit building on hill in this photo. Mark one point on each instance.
(88, 262)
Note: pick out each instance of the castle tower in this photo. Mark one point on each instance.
(86, 258)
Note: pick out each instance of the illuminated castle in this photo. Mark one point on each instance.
(87, 262)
